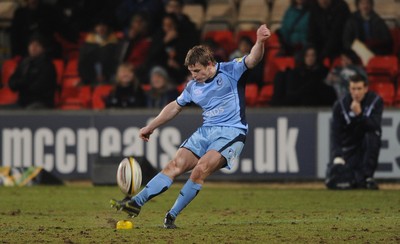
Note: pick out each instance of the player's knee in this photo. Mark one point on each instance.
(174, 168)
(200, 172)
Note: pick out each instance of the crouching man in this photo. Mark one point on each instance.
(355, 138)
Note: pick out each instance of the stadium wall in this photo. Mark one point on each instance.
(281, 145)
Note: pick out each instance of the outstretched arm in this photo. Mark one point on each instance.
(169, 112)
(257, 51)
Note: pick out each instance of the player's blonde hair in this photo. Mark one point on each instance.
(199, 54)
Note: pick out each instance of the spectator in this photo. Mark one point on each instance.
(35, 78)
(34, 19)
(135, 46)
(244, 47)
(355, 138)
(127, 8)
(96, 64)
(304, 85)
(127, 92)
(168, 49)
(294, 30)
(186, 27)
(162, 90)
(339, 76)
(327, 20)
(368, 27)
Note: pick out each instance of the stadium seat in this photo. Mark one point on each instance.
(8, 69)
(265, 95)
(273, 41)
(221, 11)
(7, 9)
(251, 95)
(196, 14)
(224, 38)
(352, 5)
(383, 66)
(275, 65)
(69, 49)
(71, 81)
(252, 13)
(99, 93)
(71, 69)
(75, 98)
(389, 10)
(7, 96)
(279, 8)
(396, 40)
(385, 90)
(59, 66)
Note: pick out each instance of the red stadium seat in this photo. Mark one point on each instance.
(99, 93)
(7, 96)
(224, 38)
(265, 95)
(273, 41)
(8, 69)
(75, 97)
(71, 69)
(71, 81)
(396, 40)
(383, 66)
(385, 90)
(59, 66)
(251, 95)
(275, 65)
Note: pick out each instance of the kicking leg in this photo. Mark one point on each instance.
(209, 163)
(184, 161)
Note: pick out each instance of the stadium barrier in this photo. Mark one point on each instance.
(282, 144)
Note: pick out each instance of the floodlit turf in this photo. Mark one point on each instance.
(225, 213)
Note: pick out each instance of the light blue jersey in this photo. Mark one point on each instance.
(222, 97)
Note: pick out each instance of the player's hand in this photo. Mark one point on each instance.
(263, 33)
(356, 107)
(145, 133)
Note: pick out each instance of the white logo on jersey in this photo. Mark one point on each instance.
(214, 112)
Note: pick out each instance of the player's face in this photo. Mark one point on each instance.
(200, 72)
(358, 90)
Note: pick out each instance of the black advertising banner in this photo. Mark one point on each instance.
(279, 144)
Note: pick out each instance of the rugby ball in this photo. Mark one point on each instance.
(129, 176)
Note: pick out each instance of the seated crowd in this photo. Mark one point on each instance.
(137, 49)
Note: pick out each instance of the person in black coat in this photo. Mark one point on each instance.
(356, 135)
(36, 18)
(35, 77)
(368, 27)
(304, 85)
(327, 20)
(127, 92)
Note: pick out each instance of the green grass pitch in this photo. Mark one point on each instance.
(221, 213)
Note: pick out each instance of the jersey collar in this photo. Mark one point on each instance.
(216, 73)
